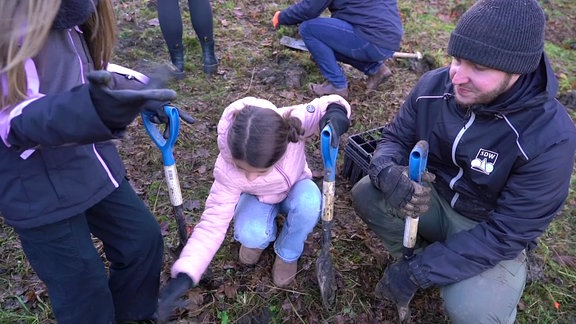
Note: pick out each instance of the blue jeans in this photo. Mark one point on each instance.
(489, 297)
(332, 40)
(255, 222)
(80, 289)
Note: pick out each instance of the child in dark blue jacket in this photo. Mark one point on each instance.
(61, 177)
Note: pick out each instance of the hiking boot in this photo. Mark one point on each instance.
(283, 273)
(327, 88)
(382, 75)
(209, 61)
(249, 256)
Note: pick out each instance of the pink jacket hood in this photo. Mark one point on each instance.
(230, 182)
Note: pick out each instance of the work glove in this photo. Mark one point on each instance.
(170, 294)
(420, 202)
(398, 286)
(159, 77)
(118, 108)
(337, 116)
(410, 197)
(275, 19)
(158, 116)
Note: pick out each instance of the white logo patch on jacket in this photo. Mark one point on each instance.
(484, 161)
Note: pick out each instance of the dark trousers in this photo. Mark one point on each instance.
(66, 260)
(488, 297)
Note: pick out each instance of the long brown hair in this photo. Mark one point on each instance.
(260, 136)
(25, 26)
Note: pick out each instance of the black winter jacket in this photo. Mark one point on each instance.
(378, 21)
(56, 157)
(507, 165)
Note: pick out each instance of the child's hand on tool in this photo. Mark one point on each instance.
(336, 115)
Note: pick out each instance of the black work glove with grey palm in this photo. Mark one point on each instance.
(410, 197)
(337, 116)
(169, 295)
(398, 286)
(159, 77)
(119, 107)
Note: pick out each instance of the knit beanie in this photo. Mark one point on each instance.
(506, 35)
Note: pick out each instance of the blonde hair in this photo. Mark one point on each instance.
(25, 25)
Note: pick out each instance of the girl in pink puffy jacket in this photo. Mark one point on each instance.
(261, 171)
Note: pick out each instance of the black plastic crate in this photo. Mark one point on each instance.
(358, 153)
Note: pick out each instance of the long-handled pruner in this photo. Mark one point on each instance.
(324, 267)
(166, 147)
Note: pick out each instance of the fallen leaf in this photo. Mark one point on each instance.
(192, 205)
(238, 12)
(153, 22)
(195, 297)
(230, 290)
(164, 228)
(201, 169)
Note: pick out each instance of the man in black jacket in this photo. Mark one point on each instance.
(500, 161)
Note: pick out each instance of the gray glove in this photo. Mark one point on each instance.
(402, 193)
(420, 201)
(118, 108)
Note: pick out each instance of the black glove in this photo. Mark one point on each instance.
(402, 193)
(158, 79)
(397, 285)
(158, 116)
(337, 116)
(118, 108)
(170, 294)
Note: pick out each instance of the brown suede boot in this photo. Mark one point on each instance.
(283, 273)
(376, 79)
(327, 88)
(249, 256)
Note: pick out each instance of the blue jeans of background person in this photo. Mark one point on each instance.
(255, 222)
(332, 40)
(489, 297)
(66, 260)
